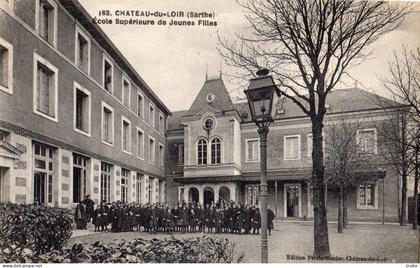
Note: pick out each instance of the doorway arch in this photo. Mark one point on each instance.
(193, 195)
(208, 195)
(224, 194)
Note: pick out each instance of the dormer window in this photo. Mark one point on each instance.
(210, 98)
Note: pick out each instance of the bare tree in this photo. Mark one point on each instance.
(308, 46)
(403, 86)
(342, 161)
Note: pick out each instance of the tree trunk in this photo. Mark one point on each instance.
(344, 210)
(416, 185)
(403, 217)
(321, 243)
(340, 210)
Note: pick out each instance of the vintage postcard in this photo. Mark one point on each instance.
(249, 131)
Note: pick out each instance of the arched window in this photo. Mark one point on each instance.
(202, 152)
(215, 151)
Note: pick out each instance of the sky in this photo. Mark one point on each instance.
(174, 60)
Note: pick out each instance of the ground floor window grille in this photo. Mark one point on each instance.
(253, 193)
(43, 173)
(79, 177)
(106, 182)
(125, 173)
(138, 187)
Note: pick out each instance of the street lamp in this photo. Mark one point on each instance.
(262, 95)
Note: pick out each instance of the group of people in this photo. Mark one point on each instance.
(221, 217)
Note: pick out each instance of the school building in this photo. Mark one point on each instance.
(75, 116)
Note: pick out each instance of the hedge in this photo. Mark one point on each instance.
(169, 250)
(37, 229)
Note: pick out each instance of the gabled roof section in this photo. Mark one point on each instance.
(175, 120)
(339, 100)
(221, 102)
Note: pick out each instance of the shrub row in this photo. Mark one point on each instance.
(37, 229)
(169, 250)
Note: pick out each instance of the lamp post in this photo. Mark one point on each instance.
(262, 95)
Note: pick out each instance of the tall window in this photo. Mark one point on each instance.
(252, 150)
(367, 196)
(46, 20)
(366, 141)
(126, 135)
(181, 154)
(45, 91)
(202, 152)
(252, 195)
(107, 124)
(108, 75)
(152, 115)
(82, 50)
(292, 147)
(79, 177)
(138, 187)
(125, 174)
(161, 156)
(81, 109)
(106, 176)
(140, 104)
(126, 88)
(43, 173)
(6, 66)
(140, 143)
(215, 147)
(161, 123)
(152, 151)
(150, 190)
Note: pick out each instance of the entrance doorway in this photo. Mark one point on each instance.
(224, 194)
(79, 177)
(208, 195)
(292, 193)
(40, 187)
(3, 193)
(193, 195)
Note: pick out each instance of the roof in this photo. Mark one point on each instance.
(221, 102)
(83, 17)
(339, 100)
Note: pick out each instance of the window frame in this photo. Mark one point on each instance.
(77, 86)
(368, 207)
(181, 156)
(161, 155)
(154, 151)
(209, 148)
(204, 153)
(125, 78)
(37, 26)
(152, 123)
(284, 147)
(109, 107)
(79, 30)
(125, 119)
(9, 47)
(142, 105)
(46, 63)
(247, 159)
(375, 140)
(161, 123)
(137, 143)
(105, 58)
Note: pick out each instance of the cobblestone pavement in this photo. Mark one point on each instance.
(390, 242)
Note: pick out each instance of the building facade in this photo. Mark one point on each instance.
(75, 117)
(213, 154)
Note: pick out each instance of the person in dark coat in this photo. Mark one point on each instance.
(90, 207)
(257, 220)
(184, 218)
(106, 215)
(232, 218)
(137, 217)
(218, 221)
(246, 219)
(153, 219)
(147, 212)
(97, 214)
(270, 219)
(201, 218)
(80, 216)
(170, 222)
(239, 220)
(210, 219)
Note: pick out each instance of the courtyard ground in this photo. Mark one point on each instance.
(390, 243)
